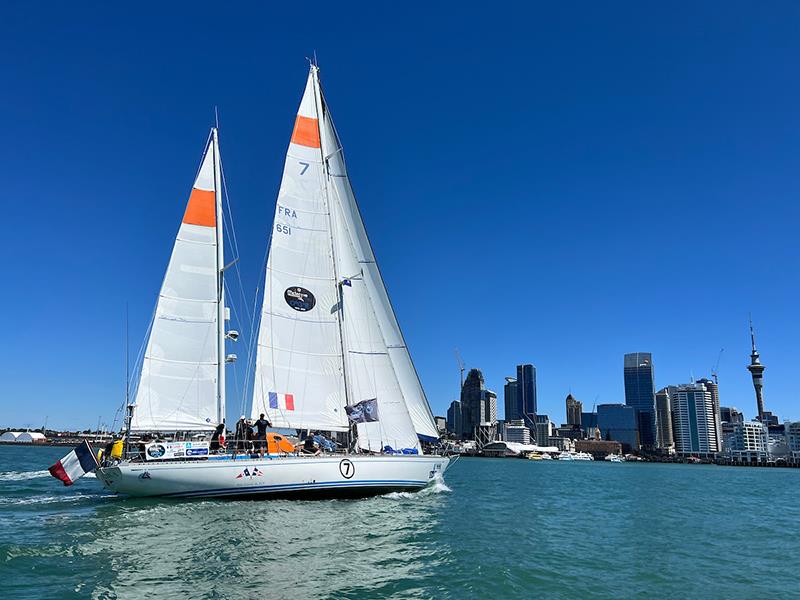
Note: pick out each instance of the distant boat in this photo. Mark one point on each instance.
(614, 458)
(565, 456)
(575, 456)
(330, 354)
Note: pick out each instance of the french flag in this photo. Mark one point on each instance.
(75, 465)
(281, 401)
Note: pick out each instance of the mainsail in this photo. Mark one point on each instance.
(328, 335)
(182, 385)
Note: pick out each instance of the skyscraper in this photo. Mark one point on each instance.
(640, 393)
(544, 429)
(757, 372)
(526, 388)
(712, 387)
(574, 410)
(471, 403)
(454, 419)
(488, 407)
(511, 400)
(664, 439)
(693, 420)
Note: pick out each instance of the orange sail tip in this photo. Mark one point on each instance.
(306, 132)
(201, 209)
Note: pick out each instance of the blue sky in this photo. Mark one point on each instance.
(554, 184)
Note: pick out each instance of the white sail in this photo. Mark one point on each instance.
(384, 322)
(344, 344)
(370, 370)
(179, 387)
(299, 380)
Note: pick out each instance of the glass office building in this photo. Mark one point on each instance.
(619, 423)
(640, 394)
(526, 390)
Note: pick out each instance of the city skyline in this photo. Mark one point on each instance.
(579, 209)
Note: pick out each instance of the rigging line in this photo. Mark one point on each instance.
(252, 341)
(231, 230)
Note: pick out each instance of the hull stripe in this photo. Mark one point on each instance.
(302, 486)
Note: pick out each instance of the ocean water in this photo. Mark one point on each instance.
(496, 528)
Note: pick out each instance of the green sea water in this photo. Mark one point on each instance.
(498, 528)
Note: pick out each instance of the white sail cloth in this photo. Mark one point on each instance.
(299, 348)
(177, 389)
(340, 343)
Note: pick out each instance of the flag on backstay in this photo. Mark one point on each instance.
(365, 411)
(76, 464)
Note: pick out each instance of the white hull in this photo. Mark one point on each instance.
(314, 476)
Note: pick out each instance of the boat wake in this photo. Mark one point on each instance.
(21, 476)
(436, 486)
(65, 499)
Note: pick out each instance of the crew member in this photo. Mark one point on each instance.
(310, 446)
(261, 433)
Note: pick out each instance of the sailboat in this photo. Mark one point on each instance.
(330, 354)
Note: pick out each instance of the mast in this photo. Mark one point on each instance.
(220, 280)
(326, 179)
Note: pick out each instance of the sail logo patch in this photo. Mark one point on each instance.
(299, 299)
(250, 473)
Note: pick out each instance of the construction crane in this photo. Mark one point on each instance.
(715, 370)
(460, 367)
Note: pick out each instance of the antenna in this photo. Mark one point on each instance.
(216, 117)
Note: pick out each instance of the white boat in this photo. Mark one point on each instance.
(565, 456)
(582, 456)
(614, 458)
(330, 353)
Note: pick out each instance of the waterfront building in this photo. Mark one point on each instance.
(589, 423)
(693, 420)
(526, 388)
(713, 388)
(757, 372)
(454, 424)
(511, 400)
(472, 403)
(516, 431)
(749, 442)
(562, 443)
(544, 429)
(599, 449)
(574, 409)
(619, 423)
(792, 431)
(640, 393)
(664, 438)
(569, 431)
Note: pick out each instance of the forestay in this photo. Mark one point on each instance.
(178, 386)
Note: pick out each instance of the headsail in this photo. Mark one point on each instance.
(385, 321)
(181, 386)
(299, 352)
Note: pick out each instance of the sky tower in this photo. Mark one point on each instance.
(757, 371)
